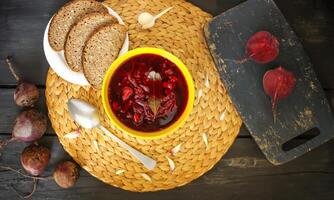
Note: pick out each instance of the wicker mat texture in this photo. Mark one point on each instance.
(213, 117)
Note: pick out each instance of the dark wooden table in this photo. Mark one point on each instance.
(243, 173)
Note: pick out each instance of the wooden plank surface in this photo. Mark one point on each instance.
(9, 110)
(242, 174)
(23, 22)
(22, 27)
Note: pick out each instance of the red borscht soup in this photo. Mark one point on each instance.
(148, 93)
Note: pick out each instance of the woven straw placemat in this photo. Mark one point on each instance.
(180, 32)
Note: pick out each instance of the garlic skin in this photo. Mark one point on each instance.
(176, 149)
(120, 171)
(146, 177)
(147, 20)
(199, 94)
(207, 83)
(72, 135)
(205, 140)
(170, 163)
(96, 145)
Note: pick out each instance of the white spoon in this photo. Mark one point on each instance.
(147, 20)
(86, 116)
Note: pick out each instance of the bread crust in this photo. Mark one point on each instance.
(77, 37)
(54, 27)
(96, 79)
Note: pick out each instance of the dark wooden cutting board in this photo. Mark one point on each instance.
(306, 109)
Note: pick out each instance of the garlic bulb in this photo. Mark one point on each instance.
(147, 20)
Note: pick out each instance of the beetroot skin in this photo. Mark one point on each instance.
(262, 47)
(26, 94)
(66, 174)
(29, 126)
(278, 84)
(34, 159)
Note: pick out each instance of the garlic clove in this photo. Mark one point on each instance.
(149, 25)
(147, 20)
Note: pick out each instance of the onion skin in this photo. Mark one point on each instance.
(26, 94)
(35, 158)
(29, 126)
(262, 47)
(66, 174)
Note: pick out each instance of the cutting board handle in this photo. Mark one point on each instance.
(298, 145)
(301, 139)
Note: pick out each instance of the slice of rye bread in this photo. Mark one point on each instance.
(79, 34)
(100, 50)
(67, 16)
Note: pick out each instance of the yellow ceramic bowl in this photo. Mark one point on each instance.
(171, 128)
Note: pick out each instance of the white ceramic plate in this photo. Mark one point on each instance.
(57, 62)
